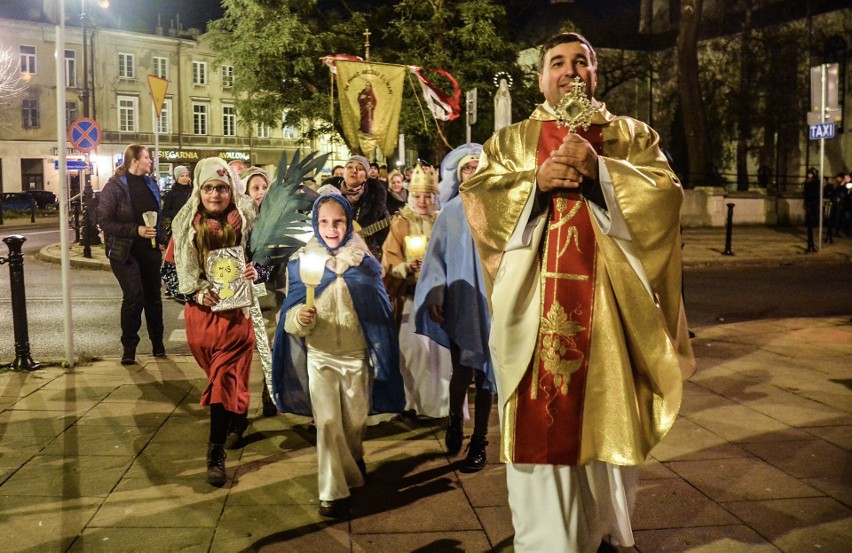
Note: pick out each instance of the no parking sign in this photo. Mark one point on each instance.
(85, 134)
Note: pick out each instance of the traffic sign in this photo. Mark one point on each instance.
(72, 164)
(85, 134)
(825, 130)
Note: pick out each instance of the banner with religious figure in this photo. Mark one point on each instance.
(370, 100)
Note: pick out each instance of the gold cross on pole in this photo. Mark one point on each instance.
(367, 34)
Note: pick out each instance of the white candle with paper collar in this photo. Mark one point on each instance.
(415, 248)
(311, 268)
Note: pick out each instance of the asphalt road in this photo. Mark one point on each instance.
(713, 296)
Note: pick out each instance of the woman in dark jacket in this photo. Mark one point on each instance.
(132, 249)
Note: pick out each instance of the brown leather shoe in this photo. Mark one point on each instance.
(216, 475)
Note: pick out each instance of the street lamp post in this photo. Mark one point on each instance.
(90, 231)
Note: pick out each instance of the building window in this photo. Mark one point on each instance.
(30, 114)
(70, 69)
(289, 131)
(161, 67)
(165, 123)
(227, 76)
(199, 72)
(28, 59)
(262, 130)
(126, 66)
(199, 118)
(128, 107)
(70, 113)
(229, 121)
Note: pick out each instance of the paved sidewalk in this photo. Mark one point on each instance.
(112, 458)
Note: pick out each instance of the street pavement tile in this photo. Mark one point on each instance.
(738, 423)
(486, 488)
(100, 440)
(56, 476)
(468, 541)
(185, 540)
(673, 503)
(82, 388)
(653, 469)
(139, 414)
(693, 405)
(806, 524)
(688, 441)
(288, 528)
(838, 397)
(43, 523)
(805, 459)
(165, 392)
(795, 410)
(409, 429)
(184, 429)
(740, 479)
(21, 384)
(44, 401)
(841, 436)
(691, 390)
(282, 443)
(838, 487)
(165, 462)
(273, 481)
(34, 423)
(711, 539)
(136, 503)
(497, 523)
(420, 503)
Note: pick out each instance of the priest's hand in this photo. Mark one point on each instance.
(568, 165)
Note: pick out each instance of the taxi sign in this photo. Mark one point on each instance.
(85, 134)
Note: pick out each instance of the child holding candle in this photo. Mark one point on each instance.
(346, 359)
(425, 365)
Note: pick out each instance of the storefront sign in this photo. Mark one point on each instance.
(195, 155)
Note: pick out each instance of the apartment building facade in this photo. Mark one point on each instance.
(198, 119)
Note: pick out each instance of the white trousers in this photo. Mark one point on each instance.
(571, 509)
(340, 396)
(426, 369)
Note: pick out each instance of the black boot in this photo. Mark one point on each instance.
(269, 408)
(216, 475)
(476, 460)
(238, 425)
(455, 435)
(129, 356)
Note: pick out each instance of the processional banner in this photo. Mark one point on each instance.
(370, 97)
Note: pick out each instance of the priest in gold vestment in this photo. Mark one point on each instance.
(576, 215)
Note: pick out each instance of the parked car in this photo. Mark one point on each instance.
(45, 199)
(18, 200)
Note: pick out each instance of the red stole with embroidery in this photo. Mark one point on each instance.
(549, 417)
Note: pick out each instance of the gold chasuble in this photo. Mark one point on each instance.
(588, 334)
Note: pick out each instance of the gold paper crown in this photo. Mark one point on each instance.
(421, 182)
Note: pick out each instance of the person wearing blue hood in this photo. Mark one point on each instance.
(339, 359)
(451, 307)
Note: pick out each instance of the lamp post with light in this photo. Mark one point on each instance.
(90, 231)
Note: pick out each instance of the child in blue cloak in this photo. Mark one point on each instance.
(338, 360)
(451, 308)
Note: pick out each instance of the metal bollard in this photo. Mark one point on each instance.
(729, 227)
(77, 221)
(32, 212)
(1, 209)
(23, 360)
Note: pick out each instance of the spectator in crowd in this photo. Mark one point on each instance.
(132, 249)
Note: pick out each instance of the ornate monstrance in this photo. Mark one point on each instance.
(575, 109)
